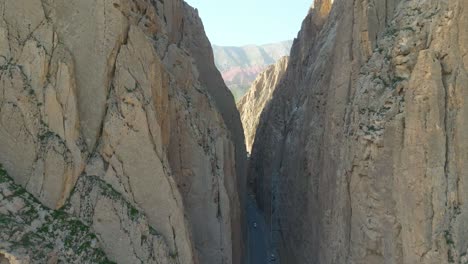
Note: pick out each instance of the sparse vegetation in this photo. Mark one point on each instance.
(47, 135)
(451, 258)
(457, 210)
(134, 212)
(3, 174)
(449, 240)
(391, 31)
(57, 227)
(173, 255)
(408, 28)
(372, 128)
(448, 237)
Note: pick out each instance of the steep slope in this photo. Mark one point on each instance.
(258, 96)
(31, 232)
(114, 112)
(241, 65)
(363, 147)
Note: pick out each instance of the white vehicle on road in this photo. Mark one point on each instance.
(272, 257)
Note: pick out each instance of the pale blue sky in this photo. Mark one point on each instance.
(241, 22)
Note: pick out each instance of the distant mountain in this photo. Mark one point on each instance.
(241, 65)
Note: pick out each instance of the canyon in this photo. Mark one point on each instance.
(121, 143)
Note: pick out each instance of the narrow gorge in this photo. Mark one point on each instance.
(120, 142)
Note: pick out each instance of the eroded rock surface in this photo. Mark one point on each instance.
(113, 111)
(32, 233)
(363, 147)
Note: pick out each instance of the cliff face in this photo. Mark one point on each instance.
(363, 149)
(113, 111)
(257, 98)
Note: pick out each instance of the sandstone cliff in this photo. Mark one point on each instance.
(363, 149)
(114, 113)
(258, 96)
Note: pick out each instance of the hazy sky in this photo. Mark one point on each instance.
(241, 22)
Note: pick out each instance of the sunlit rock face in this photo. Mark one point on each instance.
(363, 147)
(114, 112)
(257, 98)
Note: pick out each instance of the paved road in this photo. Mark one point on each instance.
(257, 236)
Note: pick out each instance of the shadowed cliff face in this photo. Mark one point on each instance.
(232, 154)
(114, 112)
(363, 147)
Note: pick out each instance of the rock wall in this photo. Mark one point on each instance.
(363, 148)
(113, 111)
(257, 98)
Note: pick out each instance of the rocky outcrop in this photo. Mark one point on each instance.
(32, 233)
(257, 98)
(113, 111)
(362, 153)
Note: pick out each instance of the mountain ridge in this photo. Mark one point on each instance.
(240, 65)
